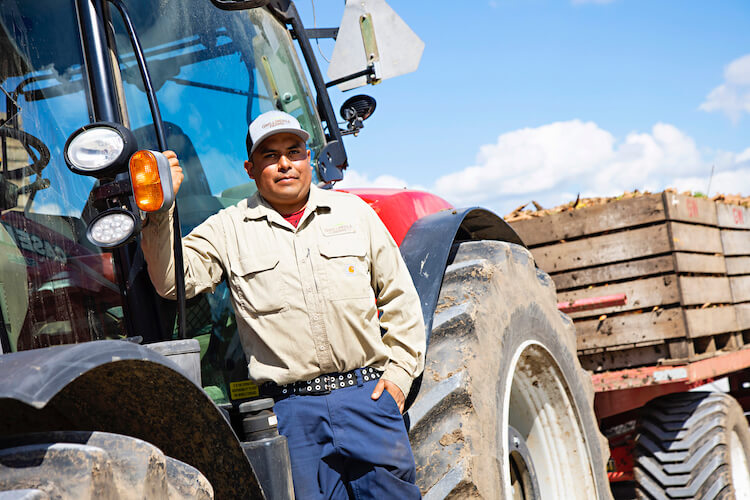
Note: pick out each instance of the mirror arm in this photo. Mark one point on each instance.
(369, 73)
(322, 33)
(354, 127)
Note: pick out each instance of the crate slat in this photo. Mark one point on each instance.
(603, 249)
(690, 209)
(701, 290)
(711, 321)
(740, 286)
(642, 293)
(732, 216)
(613, 272)
(737, 265)
(692, 238)
(631, 329)
(743, 316)
(735, 242)
(700, 263)
(624, 358)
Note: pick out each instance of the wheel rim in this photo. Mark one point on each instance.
(740, 471)
(540, 408)
(523, 481)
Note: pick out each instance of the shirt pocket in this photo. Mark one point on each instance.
(347, 267)
(258, 284)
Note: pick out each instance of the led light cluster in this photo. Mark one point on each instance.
(112, 228)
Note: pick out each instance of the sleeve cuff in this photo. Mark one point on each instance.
(399, 376)
(159, 218)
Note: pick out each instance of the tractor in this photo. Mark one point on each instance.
(109, 391)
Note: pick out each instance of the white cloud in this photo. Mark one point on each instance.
(733, 96)
(529, 160)
(554, 163)
(551, 164)
(354, 179)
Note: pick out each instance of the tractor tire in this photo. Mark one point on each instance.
(505, 410)
(80, 465)
(692, 445)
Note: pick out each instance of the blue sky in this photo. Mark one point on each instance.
(541, 100)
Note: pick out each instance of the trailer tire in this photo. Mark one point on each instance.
(96, 465)
(692, 445)
(504, 405)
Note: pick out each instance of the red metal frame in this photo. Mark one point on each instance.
(621, 461)
(593, 303)
(623, 390)
(400, 208)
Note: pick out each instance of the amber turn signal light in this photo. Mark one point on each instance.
(151, 179)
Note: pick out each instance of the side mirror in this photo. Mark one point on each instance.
(373, 43)
(356, 110)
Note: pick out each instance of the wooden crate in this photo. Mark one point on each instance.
(734, 225)
(665, 252)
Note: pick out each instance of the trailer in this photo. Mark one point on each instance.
(658, 287)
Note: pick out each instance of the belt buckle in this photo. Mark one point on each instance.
(318, 386)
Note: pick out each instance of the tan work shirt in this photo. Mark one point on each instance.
(306, 299)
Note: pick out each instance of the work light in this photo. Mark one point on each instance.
(99, 149)
(113, 228)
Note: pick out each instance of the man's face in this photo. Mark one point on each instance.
(281, 169)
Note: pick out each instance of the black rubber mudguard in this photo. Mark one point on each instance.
(123, 388)
(427, 246)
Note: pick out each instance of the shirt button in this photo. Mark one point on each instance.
(322, 348)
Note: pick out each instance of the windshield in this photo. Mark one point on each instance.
(54, 286)
(213, 71)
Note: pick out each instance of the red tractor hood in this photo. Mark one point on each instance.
(400, 208)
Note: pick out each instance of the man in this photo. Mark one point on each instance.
(327, 314)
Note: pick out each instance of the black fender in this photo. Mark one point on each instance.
(427, 246)
(124, 388)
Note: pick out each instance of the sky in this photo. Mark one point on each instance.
(545, 100)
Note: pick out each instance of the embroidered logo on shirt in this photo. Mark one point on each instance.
(338, 229)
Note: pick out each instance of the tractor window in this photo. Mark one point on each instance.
(213, 71)
(55, 287)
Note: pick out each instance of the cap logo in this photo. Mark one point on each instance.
(275, 123)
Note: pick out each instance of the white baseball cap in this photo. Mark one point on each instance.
(270, 123)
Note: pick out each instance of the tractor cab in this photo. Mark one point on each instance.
(185, 75)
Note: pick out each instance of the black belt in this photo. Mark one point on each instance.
(320, 385)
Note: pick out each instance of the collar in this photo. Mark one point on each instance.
(259, 208)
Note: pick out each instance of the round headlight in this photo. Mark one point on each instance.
(112, 228)
(95, 148)
(100, 149)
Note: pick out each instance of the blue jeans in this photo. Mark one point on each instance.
(344, 445)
